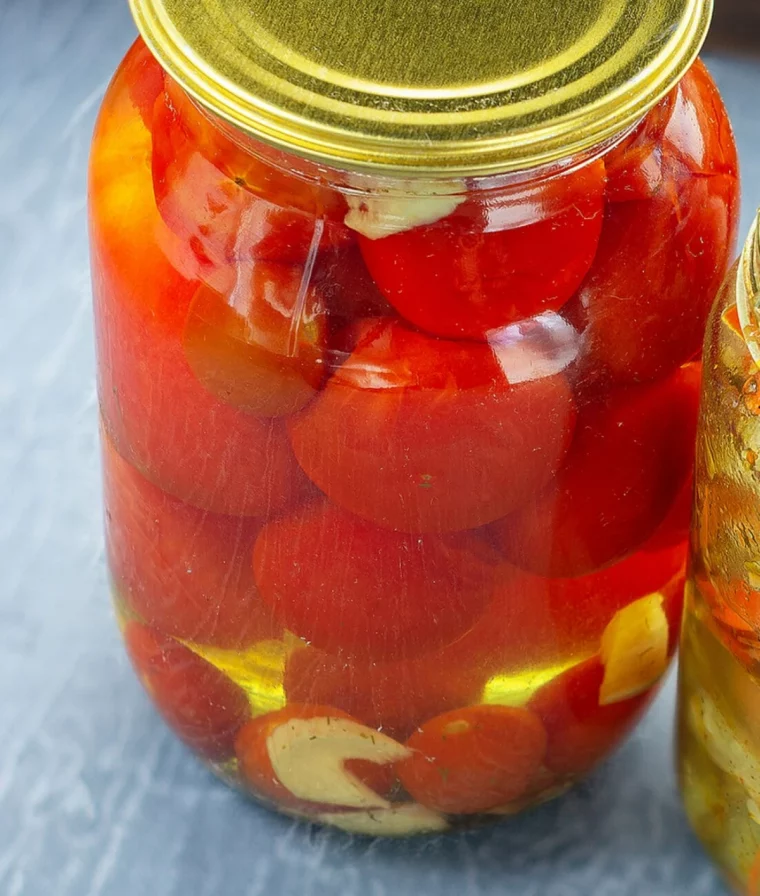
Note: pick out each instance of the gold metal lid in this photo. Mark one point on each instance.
(457, 86)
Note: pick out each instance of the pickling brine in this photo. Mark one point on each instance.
(398, 464)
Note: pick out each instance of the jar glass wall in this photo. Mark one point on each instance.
(398, 470)
(719, 739)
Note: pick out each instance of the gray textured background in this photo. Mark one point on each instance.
(96, 799)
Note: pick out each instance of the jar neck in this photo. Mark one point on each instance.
(401, 183)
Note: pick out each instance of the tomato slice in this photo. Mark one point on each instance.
(256, 766)
(260, 348)
(395, 697)
(201, 705)
(184, 571)
(581, 732)
(426, 435)
(475, 270)
(474, 759)
(631, 456)
(349, 587)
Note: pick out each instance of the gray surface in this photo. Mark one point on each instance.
(96, 799)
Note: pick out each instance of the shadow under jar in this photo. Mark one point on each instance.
(398, 395)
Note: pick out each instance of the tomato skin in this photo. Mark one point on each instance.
(347, 290)
(395, 697)
(158, 415)
(643, 306)
(425, 435)
(631, 456)
(182, 570)
(349, 587)
(581, 732)
(474, 759)
(201, 705)
(231, 207)
(256, 766)
(532, 621)
(170, 427)
(261, 349)
(634, 166)
(468, 273)
(146, 79)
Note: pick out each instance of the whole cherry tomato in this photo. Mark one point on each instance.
(395, 697)
(475, 270)
(351, 588)
(260, 348)
(257, 770)
(631, 456)
(202, 706)
(154, 408)
(643, 306)
(182, 570)
(581, 732)
(427, 435)
(474, 759)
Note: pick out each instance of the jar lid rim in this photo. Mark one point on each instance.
(463, 87)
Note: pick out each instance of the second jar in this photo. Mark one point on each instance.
(398, 471)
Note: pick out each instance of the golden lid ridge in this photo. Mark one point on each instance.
(456, 86)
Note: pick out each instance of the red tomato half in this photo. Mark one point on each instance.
(425, 435)
(473, 271)
(395, 697)
(183, 570)
(581, 732)
(202, 706)
(474, 759)
(349, 587)
(643, 307)
(631, 456)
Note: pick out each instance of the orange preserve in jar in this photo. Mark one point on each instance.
(399, 313)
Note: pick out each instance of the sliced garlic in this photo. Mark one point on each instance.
(308, 757)
(729, 748)
(634, 650)
(380, 214)
(398, 821)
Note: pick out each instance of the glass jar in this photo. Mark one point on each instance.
(398, 419)
(719, 736)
